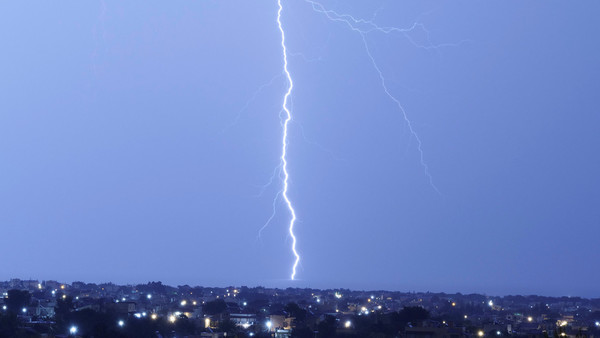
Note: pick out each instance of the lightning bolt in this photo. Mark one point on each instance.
(252, 98)
(364, 27)
(284, 142)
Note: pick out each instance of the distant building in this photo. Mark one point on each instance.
(280, 322)
(244, 320)
(123, 308)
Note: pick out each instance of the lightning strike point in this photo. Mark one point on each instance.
(287, 119)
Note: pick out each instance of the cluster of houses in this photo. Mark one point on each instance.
(271, 312)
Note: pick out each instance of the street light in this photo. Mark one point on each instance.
(73, 329)
(121, 323)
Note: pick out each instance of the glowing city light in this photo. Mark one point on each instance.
(284, 163)
(491, 303)
(153, 316)
(121, 323)
(269, 325)
(172, 319)
(347, 324)
(183, 303)
(149, 296)
(338, 295)
(3, 307)
(24, 310)
(480, 333)
(73, 330)
(597, 324)
(137, 315)
(529, 319)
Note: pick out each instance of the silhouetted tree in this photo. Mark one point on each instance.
(152, 287)
(9, 324)
(61, 312)
(303, 332)
(296, 311)
(89, 322)
(327, 327)
(258, 304)
(17, 299)
(413, 314)
(184, 326)
(229, 327)
(214, 307)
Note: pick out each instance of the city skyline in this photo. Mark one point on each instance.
(156, 309)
